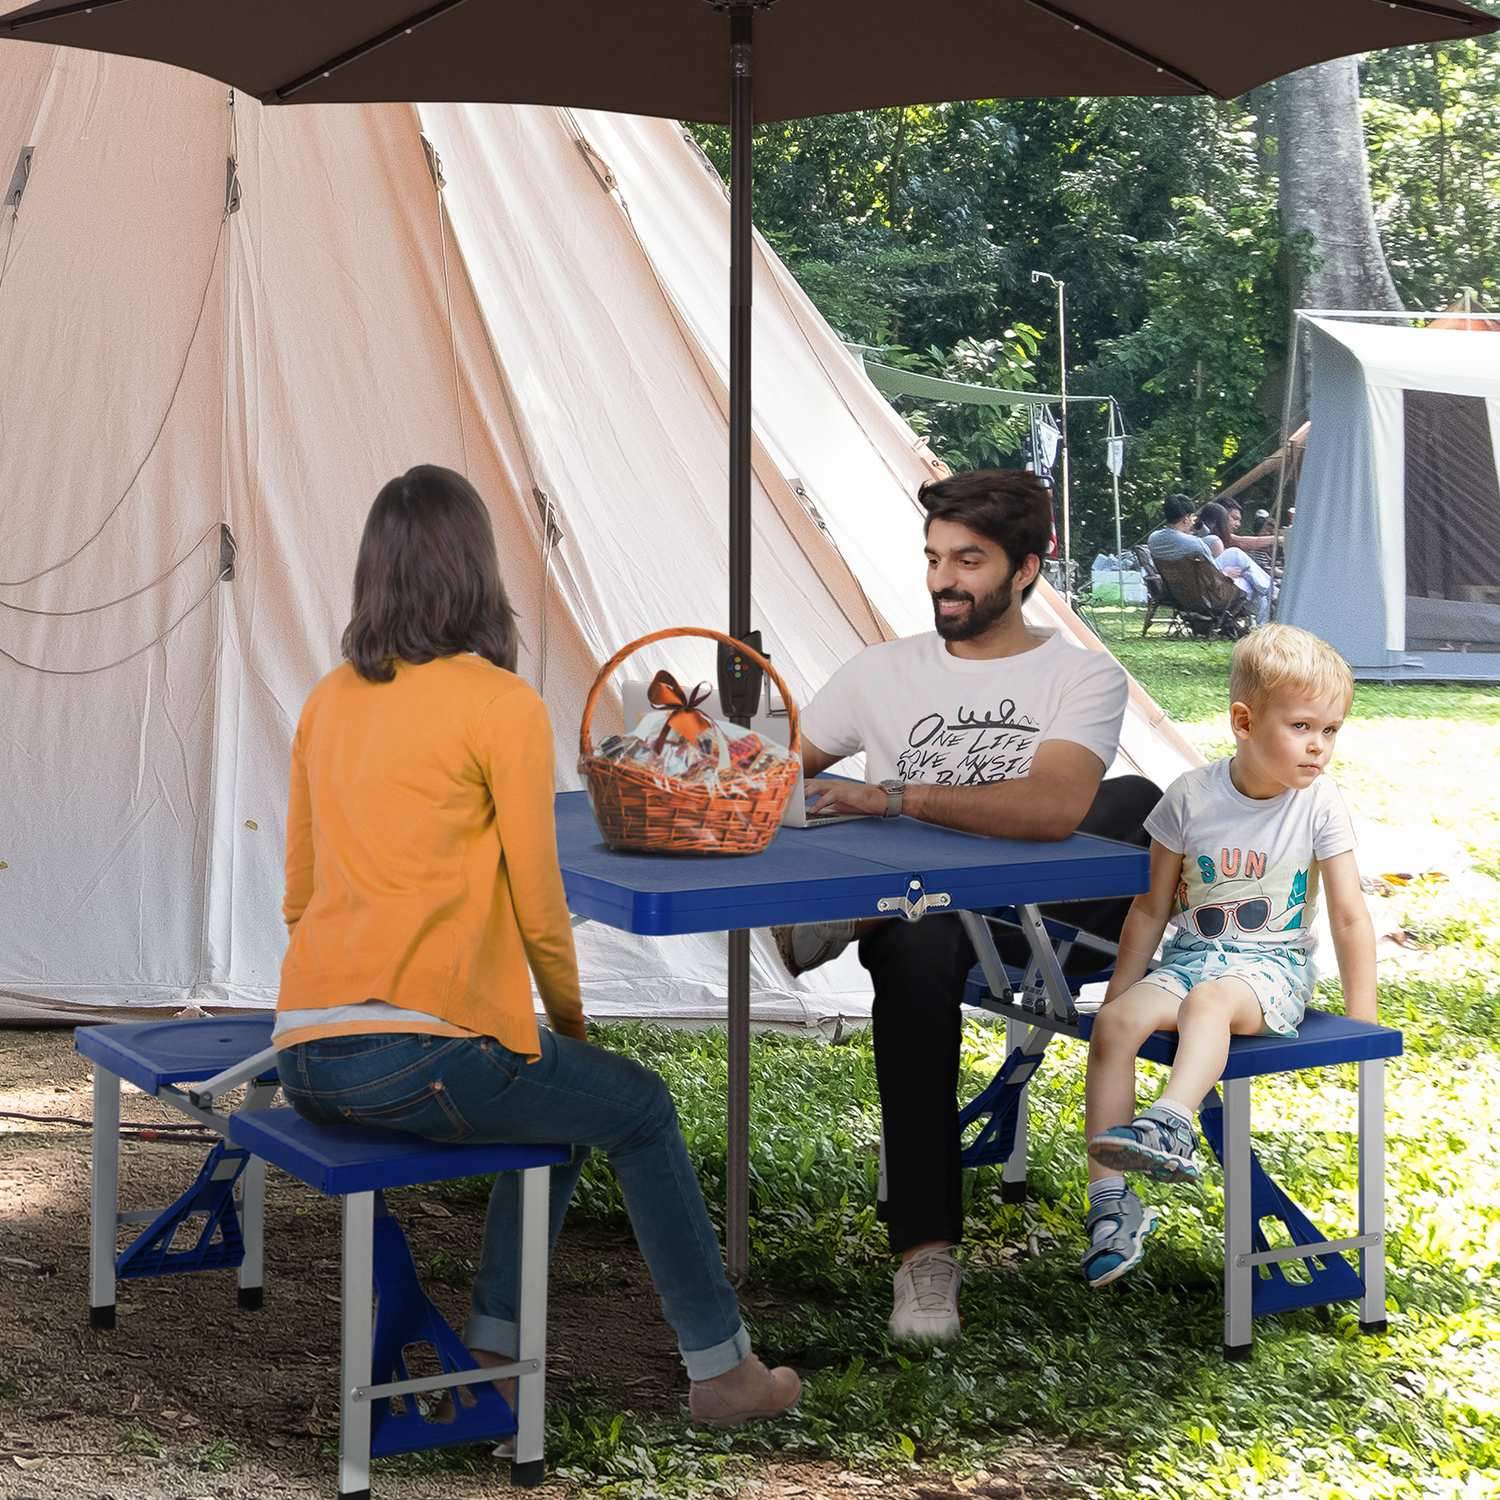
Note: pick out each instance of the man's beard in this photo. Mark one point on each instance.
(980, 616)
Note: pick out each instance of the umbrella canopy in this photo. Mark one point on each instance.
(667, 57)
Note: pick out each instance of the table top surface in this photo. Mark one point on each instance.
(815, 874)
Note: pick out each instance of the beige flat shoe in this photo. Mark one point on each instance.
(746, 1393)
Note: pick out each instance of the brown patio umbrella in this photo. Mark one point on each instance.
(691, 59)
(668, 57)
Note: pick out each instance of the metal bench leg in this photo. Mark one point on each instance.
(1013, 1175)
(1372, 1193)
(358, 1329)
(253, 1212)
(1238, 1273)
(104, 1199)
(529, 1466)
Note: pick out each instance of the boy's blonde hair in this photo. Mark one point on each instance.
(1279, 658)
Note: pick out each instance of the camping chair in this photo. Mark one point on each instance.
(1155, 598)
(1208, 604)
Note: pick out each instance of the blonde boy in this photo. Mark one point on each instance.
(1240, 851)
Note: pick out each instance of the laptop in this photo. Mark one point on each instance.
(796, 815)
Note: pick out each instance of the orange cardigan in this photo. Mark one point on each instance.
(421, 861)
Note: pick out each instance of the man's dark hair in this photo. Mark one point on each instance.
(1177, 507)
(1010, 507)
(427, 581)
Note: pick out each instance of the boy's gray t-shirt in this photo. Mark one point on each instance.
(1248, 860)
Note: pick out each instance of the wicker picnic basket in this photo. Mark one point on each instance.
(636, 809)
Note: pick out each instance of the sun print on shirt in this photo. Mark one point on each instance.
(1239, 896)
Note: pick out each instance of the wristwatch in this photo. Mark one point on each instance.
(893, 790)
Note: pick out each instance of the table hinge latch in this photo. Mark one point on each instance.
(915, 903)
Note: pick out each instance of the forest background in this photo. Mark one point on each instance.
(1186, 231)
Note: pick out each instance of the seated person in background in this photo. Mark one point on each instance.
(1234, 562)
(1249, 541)
(1175, 539)
(1241, 850)
(1265, 524)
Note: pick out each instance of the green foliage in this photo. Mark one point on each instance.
(217, 1456)
(919, 227)
(1432, 125)
(139, 1440)
(965, 436)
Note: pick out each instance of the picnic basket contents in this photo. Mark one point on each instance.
(681, 782)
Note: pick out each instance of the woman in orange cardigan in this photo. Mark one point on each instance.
(423, 893)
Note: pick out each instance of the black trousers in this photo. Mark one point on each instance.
(920, 969)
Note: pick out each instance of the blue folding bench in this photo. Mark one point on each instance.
(356, 1163)
(217, 1222)
(1038, 1003)
(191, 1064)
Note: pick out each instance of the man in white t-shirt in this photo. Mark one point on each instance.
(990, 727)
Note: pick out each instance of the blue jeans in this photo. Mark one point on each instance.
(473, 1089)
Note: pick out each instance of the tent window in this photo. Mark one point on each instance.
(1452, 524)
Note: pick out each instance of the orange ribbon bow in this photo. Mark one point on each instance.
(684, 719)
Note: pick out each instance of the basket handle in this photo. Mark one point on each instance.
(586, 745)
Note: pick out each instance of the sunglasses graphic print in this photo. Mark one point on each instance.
(1249, 915)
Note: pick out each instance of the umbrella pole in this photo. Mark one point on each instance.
(742, 120)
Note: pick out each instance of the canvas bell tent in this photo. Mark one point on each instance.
(1395, 555)
(222, 328)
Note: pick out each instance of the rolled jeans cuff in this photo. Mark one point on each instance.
(498, 1336)
(493, 1335)
(718, 1359)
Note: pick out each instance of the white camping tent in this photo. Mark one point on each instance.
(188, 348)
(1395, 557)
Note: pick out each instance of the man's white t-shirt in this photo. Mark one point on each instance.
(1249, 865)
(922, 714)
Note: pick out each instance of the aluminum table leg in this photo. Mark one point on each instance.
(1013, 1175)
(253, 1211)
(1238, 1228)
(356, 1336)
(1372, 1193)
(528, 1466)
(104, 1199)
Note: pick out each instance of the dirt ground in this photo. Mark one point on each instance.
(189, 1398)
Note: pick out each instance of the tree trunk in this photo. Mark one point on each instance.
(1325, 190)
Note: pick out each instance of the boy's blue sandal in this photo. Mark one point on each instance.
(1122, 1244)
(1162, 1148)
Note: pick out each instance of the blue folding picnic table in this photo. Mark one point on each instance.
(865, 868)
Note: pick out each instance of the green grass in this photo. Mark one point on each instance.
(1132, 1380)
(1190, 679)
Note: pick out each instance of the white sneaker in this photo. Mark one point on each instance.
(926, 1302)
(808, 947)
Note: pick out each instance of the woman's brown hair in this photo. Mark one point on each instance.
(427, 581)
(1213, 520)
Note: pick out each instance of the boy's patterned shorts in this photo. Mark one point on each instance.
(1280, 978)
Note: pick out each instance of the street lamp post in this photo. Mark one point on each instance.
(1062, 367)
